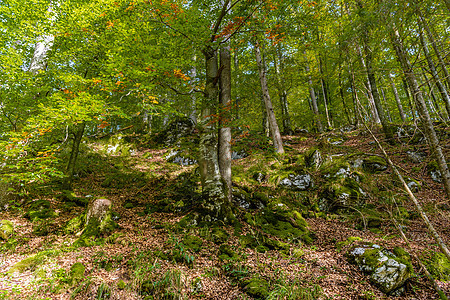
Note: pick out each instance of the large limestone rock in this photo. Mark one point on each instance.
(387, 270)
(299, 182)
(313, 159)
(177, 129)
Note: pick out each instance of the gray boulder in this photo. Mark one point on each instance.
(300, 182)
(176, 157)
(314, 159)
(177, 129)
(386, 270)
(238, 154)
(416, 157)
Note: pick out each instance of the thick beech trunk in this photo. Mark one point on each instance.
(273, 125)
(430, 133)
(215, 205)
(225, 119)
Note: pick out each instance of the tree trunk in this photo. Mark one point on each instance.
(193, 114)
(315, 109)
(433, 103)
(397, 99)
(430, 36)
(434, 73)
(287, 128)
(70, 170)
(225, 119)
(408, 97)
(282, 92)
(375, 116)
(374, 89)
(215, 204)
(341, 93)
(430, 133)
(41, 49)
(325, 94)
(273, 125)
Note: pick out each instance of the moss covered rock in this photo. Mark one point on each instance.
(280, 221)
(437, 264)
(226, 253)
(219, 235)
(6, 229)
(374, 164)
(76, 273)
(193, 243)
(31, 262)
(257, 287)
(313, 158)
(121, 284)
(74, 225)
(388, 271)
(341, 194)
(40, 209)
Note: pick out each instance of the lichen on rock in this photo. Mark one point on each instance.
(388, 271)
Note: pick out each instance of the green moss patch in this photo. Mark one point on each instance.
(257, 287)
(31, 262)
(76, 273)
(39, 209)
(283, 223)
(193, 243)
(6, 229)
(437, 264)
(226, 253)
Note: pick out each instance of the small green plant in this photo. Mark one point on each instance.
(169, 286)
(103, 292)
(142, 267)
(81, 288)
(295, 290)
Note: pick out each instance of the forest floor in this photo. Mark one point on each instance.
(121, 265)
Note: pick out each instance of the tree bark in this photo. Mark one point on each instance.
(374, 89)
(370, 97)
(430, 133)
(434, 73)
(432, 40)
(325, 94)
(225, 119)
(397, 99)
(273, 125)
(282, 94)
(41, 49)
(315, 109)
(70, 170)
(215, 205)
